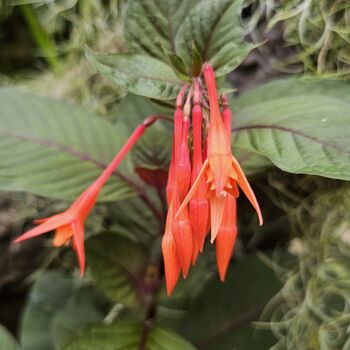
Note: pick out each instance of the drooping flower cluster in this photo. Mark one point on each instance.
(201, 190)
(202, 183)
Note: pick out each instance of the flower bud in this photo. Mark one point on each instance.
(183, 235)
(199, 205)
(226, 237)
(183, 164)
(171, 262)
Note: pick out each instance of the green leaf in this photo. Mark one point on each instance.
(55, 149)
(197, 61)
(118, 266)
(128, 336)
(7, 340)
(215, 28)
(221, 316)
(252, 163)
(131, 218)
(293, 87)
(48, 295)
(83, 308)
(132, 110)
(300, 132)
(153, 24)
(151, 155)
(153, 150)
(178, 65)
(58, 307)
(140, 75)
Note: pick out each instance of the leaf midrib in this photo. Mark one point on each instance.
(207, 45)
(292, 131)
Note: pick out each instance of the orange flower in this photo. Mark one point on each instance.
(69, 225)
(199, 205)
(220, 170)
(226, 238)
(181, 225)
(177, 241)
(182, 155)
(171, 262)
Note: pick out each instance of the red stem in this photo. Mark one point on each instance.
(134, 137)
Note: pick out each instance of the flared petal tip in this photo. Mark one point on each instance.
(260, 217)
(17, 240)
(222, 275)
(169, 290)
(185, 271)
(82, 271)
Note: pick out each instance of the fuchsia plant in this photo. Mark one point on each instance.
(173, 191)
(214, 189)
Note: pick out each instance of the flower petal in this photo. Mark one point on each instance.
(244, 185)
(217, 207)
(78, 244)
(194, 187)
(171, 263)
(62, 235)
(226, 238)
(50, 224)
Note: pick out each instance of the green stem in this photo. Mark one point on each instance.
(42, 39)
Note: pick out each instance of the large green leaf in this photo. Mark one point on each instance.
(48, 295)
(56, 150)
(221, 316)
(133, 219)
(214, 26)
(304, 132)
(118, 266)
(293, 87)
(153, 24)
(84, 307)
(128, 336)
(7, 340)
(58, 307)
(140, 75)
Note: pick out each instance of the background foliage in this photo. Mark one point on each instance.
(61, 122)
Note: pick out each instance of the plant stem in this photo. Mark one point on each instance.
(41, 37)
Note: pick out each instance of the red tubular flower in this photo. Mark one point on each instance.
(182, 161)
(220, 170)
(199, 205)
(195, 250)
(69, 225)
(226, 237)
(183, 235)
(171, 262)
(178, 120)
(171, 177)
(181, 225)
(177, 239)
